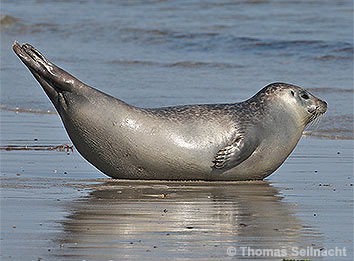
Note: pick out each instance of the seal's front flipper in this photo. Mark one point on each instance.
(235, 153)
(47, 71)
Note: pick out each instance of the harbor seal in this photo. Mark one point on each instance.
(248, 140)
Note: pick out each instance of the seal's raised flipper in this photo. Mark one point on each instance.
(235, 153)
(45, 71)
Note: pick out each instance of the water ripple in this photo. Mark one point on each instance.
(187, 64)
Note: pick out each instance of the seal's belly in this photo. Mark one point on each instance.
(136, 149)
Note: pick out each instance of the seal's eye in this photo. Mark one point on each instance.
(305, 96)
(293, 93)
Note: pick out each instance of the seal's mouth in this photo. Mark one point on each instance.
(319, 108)
(315, 113)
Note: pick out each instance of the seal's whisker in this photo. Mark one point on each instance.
(318, 121)
(315, 117)
(309, 121)
(313, 120)
(313, 124)
(310, 125)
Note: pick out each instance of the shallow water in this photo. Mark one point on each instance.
(158, 53)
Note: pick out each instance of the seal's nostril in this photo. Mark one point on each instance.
(324, 106)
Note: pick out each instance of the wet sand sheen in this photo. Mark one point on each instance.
(158, 220)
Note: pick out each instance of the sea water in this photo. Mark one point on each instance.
(161, 53)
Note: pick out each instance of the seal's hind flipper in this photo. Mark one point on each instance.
(234, 154)
(42, 67)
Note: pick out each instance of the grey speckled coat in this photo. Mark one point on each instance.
(241, 141)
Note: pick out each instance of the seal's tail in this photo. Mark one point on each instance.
(51, 77)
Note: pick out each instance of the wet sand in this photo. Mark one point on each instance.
(56, 206)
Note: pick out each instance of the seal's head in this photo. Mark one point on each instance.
(302, 104)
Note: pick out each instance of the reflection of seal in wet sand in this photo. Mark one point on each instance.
(250, 214)
(240, 141)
